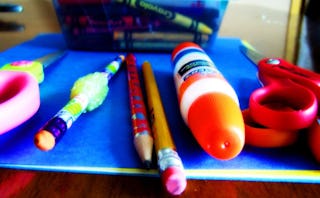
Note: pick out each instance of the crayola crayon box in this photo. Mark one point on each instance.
(138, 25)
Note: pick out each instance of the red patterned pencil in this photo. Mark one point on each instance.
(143, 139)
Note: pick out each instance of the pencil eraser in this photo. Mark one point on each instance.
(174, 180)
(44, 140)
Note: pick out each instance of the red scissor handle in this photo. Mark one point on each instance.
(314, 139)
(279, 68)
(260, 136)
(286, 108)
(286, 102)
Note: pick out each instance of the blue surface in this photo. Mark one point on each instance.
(101, 141)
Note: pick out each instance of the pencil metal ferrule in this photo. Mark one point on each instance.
(168, 157)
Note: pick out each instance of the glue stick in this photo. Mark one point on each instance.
(208, 104)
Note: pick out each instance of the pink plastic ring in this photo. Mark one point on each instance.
(19, 99)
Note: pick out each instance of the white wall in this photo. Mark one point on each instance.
(261, 22)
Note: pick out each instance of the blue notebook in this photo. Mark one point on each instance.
(100, 141)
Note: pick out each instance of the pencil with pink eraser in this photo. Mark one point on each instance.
(170, 165)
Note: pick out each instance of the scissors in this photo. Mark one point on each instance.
(287, 102)
(19, 89)
(8, 7)
(10, 26)
(34, 67)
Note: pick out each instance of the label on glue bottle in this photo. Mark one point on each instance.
(192, 62)
(208, 103)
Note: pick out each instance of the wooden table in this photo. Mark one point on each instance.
(21, 183)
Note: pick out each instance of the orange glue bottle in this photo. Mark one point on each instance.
(208, 103)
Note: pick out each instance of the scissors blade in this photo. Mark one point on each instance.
(50, 58)
(250, 52)
(8, 7)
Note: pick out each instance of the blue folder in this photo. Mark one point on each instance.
(101, 141)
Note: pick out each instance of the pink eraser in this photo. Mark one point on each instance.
(174, 180)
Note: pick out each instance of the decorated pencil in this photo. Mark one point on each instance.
(143, 140)
(87, 94)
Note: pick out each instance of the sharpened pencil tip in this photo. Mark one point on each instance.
(147, 164)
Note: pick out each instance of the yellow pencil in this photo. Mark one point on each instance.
(169, 15)
(170, 165)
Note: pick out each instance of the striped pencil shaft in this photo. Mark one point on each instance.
(138, 116)
(64, 119)
(138, 109)
(112, 68)
(143, 140)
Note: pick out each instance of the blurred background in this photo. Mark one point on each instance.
(276, 28)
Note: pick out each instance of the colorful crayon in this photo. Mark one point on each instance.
(179, 3)
(172, 16)
(161, 36)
